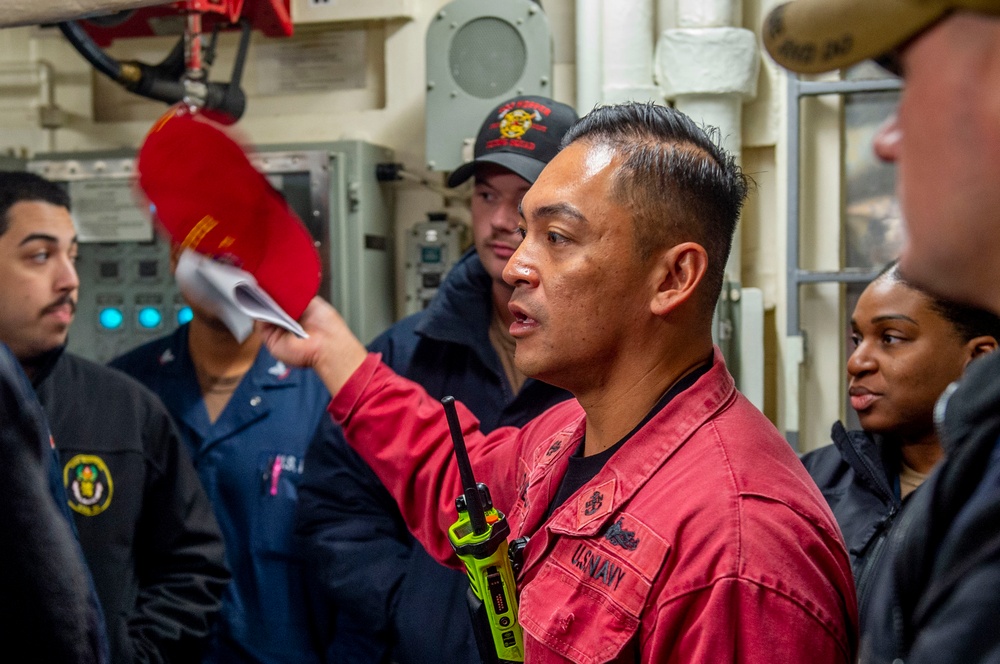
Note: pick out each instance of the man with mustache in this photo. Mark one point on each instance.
(666, 518)
(365, 558)
(146, 527)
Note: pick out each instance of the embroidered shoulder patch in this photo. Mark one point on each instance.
(88, 483)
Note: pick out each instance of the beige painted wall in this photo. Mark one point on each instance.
(390, 111)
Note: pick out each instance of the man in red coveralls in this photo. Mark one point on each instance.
(668, 520)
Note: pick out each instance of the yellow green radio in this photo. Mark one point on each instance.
(479, 538)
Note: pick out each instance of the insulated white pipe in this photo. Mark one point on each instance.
(38, 75)
(709, 13)
(709, 67)
(722, 112)
(709, 71)
(627, 51)
(588, 55)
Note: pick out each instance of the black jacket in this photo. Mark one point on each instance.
(147, 529)
(941, 602)
(855, 476)
(48, 605)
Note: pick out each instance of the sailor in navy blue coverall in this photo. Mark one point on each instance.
(250, 460)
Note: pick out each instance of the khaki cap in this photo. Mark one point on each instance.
(813, 36)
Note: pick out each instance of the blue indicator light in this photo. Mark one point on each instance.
(149, 317)
(111, 318)
(184, 315)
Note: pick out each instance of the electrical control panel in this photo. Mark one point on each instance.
(432, 247)
(127, 292)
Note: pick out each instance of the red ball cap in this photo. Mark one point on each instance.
(210, 199)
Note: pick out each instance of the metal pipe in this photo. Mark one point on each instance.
(588, 55)
(709, 67)
(709, 13)
(627, 51)
(40, 76)
(192, 46)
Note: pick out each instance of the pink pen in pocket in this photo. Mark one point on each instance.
(275, 474)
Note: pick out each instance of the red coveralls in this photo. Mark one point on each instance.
(702, 540)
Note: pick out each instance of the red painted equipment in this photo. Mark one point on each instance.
(182, 76)
(269, 17)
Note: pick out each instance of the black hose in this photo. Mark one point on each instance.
(173, 65)
(241, 53)
(162, 81)
(91, 52)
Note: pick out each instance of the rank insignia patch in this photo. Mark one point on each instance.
(595, 502)
(88, 484)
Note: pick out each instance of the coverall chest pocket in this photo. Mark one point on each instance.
(276, 502)
(586, 601)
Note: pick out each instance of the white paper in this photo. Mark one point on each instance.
(231, 294)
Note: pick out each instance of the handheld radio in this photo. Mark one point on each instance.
(479, 538)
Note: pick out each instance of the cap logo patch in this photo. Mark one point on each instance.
(804, 52)
(199, 231)
(515, 123)
(88, 484)
(838, 48)
(776, 22)
(514, 120)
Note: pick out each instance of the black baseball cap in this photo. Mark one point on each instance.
(522, 135)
